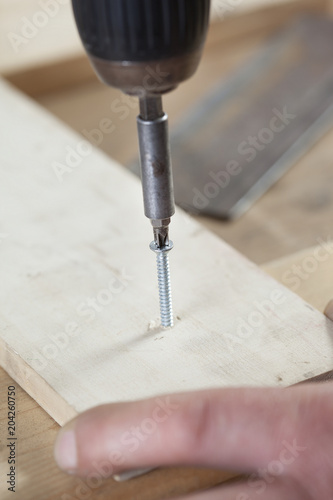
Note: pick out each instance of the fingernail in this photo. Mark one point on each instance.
(125, 476)
(65, 452)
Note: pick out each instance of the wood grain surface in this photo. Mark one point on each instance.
(39, 477)
(87, 293)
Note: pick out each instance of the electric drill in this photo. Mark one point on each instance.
(146, 48)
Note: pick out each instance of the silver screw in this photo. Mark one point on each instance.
(164, 284)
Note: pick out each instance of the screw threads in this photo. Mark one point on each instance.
(164, 283)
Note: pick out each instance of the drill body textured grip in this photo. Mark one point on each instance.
(141, 30)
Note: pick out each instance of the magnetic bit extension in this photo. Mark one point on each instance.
(157, 185)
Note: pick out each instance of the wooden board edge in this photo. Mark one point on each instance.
(33, 383)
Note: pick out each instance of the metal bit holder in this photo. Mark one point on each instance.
(157, 186)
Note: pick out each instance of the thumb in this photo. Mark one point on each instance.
(237, 429)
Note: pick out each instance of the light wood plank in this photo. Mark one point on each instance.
(68, 242)
(37, 470)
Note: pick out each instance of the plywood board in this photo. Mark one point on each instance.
(79, 308)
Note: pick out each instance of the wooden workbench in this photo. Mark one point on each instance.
(289, 218)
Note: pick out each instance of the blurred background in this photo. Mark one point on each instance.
(260, 58)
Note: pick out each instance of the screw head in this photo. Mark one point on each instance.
(153, 246)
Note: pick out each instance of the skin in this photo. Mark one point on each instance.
(283, 436)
